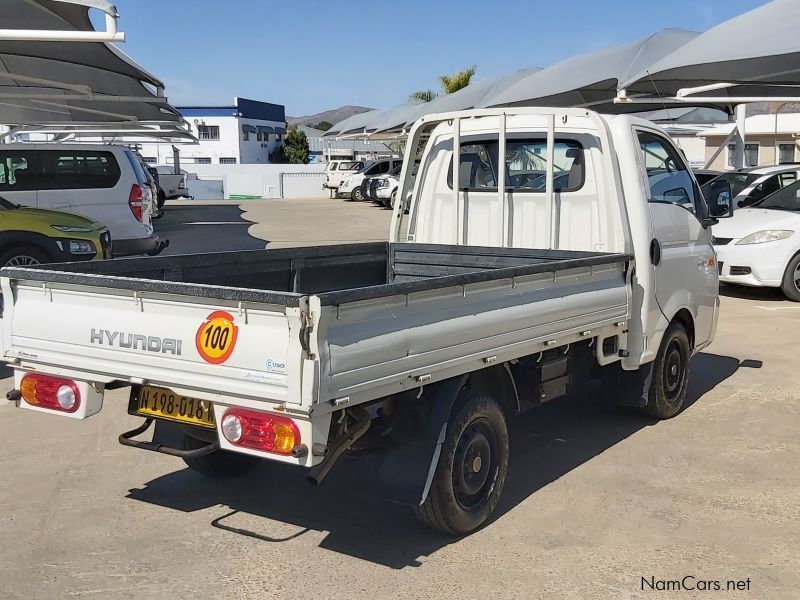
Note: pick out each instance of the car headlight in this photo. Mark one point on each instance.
(72, 229)
(81, 247)
(767, 235)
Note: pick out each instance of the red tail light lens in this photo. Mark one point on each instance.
(54, 393)
(135, 201)
(260, 431)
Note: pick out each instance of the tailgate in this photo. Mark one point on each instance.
(231, 348)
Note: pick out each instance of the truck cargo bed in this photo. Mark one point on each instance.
(336, 274)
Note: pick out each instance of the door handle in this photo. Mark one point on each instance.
(655, 252)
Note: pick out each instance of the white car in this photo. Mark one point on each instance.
(760, 245)
(350, 187)
(338, 170)
(104, 183)
(749, 186)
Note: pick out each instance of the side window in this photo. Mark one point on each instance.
(17, 171)
(76, 170)
(787, 179)
(668, 178)
(764, 189)
(333, 166)
(383, 167)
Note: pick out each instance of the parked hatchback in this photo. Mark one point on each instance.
(752, 185)
(30, 236)
(103, 183)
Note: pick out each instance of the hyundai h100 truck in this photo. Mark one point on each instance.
(542, 248)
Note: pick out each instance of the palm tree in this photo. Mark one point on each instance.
(449, 83)
(423, 96)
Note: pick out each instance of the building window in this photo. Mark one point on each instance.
(208, 132)
(202, 161)
(227, 161)
(785, 153)
(246, 136)
(750, 155)
(278, 138)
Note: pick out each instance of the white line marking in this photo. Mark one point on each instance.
(774, 308)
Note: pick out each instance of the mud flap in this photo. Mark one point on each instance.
(407, 468)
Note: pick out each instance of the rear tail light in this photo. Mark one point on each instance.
(182, 184)
(260, 431)
(46, 391)
(135, 201)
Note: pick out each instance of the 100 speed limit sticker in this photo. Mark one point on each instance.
(216, 337)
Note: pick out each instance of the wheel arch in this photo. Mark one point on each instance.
(685, 318)
(498, 382)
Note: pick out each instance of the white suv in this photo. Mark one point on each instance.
(104, 183)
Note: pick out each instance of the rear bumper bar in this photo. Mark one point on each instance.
(126, 440)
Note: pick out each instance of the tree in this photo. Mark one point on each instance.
(295, 147)
(322, 125)
(450, 83)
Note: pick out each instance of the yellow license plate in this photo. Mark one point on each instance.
(162, 403)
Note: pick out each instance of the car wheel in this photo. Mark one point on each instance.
(471, 471)
(357, 196)
(220, 464)
(791, 280)
(162, 199)
(25, 256)
(393, 199)
(670, 377)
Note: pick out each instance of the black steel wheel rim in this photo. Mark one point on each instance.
(475, 465)
(674, 371)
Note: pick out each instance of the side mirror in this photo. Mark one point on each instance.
(720, 205)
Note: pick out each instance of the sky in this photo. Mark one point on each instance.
(312, 56)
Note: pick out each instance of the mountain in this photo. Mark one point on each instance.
(331, 116)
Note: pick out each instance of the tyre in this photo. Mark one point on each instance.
(670, 376)
(791, 280)
(393, 200)
(162, 199)
(357, 196)
(471, 471)
(220, 464)
(24, 256)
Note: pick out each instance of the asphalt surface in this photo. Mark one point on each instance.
(597, 498)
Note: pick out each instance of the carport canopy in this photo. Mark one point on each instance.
(56, 69)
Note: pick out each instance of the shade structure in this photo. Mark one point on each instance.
(589, 79)
(350, 125)
(466, 98)
(59, 81)
(760, 50)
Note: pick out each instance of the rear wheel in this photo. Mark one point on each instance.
(471, 471)
(162, 199)
(393, 199)
(791, 280)
(24, 256)
(357, 196)
(670, 377)
(220, 464)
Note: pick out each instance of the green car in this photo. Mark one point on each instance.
(30, 236)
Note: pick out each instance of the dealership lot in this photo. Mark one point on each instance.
(597, 497)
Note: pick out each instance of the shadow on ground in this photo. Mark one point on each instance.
(763, 294)
(199, 228)
(277, 503)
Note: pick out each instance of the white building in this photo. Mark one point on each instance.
(245, 133)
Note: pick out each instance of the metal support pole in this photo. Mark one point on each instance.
(738, 157)
(501, 180)
(456, 180)
(551, 203)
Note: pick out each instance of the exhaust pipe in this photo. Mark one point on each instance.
(317, 473)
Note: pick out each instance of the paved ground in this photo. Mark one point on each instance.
(596, 499)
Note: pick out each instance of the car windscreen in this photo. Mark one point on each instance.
(738, 182)
(787, 198)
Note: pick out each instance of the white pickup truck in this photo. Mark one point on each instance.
(574, 246)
